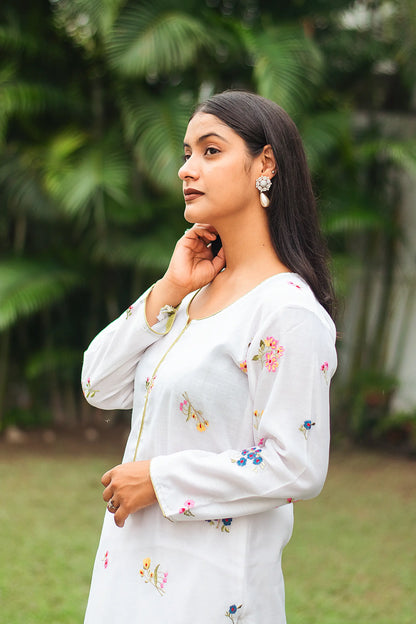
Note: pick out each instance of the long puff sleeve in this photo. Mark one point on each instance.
(111, 359)
(290, 361)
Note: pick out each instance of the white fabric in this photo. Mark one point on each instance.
(233, 410)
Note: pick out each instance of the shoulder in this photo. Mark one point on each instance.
(286, 300)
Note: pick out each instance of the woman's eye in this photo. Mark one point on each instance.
(186, 157)
(210, 151)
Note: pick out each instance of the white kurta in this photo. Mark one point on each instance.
(233, 411)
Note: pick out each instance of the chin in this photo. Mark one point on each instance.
(191, 216)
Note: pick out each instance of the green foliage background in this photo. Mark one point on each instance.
(94, 100)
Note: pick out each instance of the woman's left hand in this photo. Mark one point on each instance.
(129, 488)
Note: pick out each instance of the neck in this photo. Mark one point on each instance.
(249, 249)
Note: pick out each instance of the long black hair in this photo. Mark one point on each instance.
(292, 214)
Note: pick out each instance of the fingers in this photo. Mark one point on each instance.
(218, 261)
(202, 231)
(106, 478)
(120, 517)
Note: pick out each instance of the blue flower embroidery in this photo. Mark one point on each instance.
(247, 455)
(306, 427)
(232, 610)
(222, 524)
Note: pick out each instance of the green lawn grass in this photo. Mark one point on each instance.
(351, 559)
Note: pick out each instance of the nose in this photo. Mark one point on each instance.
(188, 170)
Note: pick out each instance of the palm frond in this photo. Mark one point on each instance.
(12, 39)
(321, 134)
(84, 19)
(157, 127)
(152, 251)
(62, 360)
(148, 40)
(21, 184)
(401, 153)
(288, 66)
(18, 97)
(92, 173)
(27, 286)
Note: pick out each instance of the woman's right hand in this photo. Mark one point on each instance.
(192, 266)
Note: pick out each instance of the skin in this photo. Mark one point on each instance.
(218, 165)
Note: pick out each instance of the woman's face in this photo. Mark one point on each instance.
(218, 175)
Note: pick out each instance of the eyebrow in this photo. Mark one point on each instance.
(206, 136)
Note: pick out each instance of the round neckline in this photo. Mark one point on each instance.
(239, 299)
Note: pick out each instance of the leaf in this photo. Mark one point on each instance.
(27, 286)
(157, 126)
(322, 133)
(288, 66)
(150, 40)
(155, 573)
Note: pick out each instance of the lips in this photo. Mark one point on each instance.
(190, 194)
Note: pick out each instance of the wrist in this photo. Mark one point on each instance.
(171, 293)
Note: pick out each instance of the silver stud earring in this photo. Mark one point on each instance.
(263, 183)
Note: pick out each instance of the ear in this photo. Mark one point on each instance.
(268, 162)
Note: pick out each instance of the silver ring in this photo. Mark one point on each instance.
(112, 508)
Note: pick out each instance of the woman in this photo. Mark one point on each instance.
(226, 363)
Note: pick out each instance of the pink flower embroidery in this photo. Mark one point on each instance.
(269, 353)
(150, 382)
(270, 342)
(324, 369)
(88, 391)
(191, 413)
(186, 510)
(271, 362)
(243, 366)
(293, 284)
(156, 577)
(129, 311)
(106, 559)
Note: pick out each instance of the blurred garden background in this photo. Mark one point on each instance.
(95, 96)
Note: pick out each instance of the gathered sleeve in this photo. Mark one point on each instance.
(290, 361)
(111, 359)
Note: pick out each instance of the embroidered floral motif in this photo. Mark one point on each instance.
(106, 559)
(243, 366)
(222, 524)
(324, 369)
(269, 353)
(306, 427)
(186, 510)
(191, 413)
(296, 285)
(89, 392)
(261, 442)
(232, 610)
(291, 500)
(167, 312)
(257, 418)
(250, 455)
(155, 577)
(129, 311)
(149, 383)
